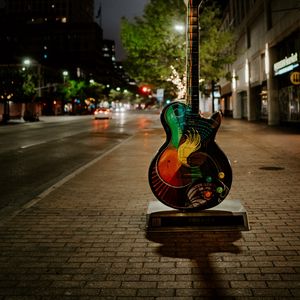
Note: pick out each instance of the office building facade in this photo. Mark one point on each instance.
(57, 34)
(265, 81)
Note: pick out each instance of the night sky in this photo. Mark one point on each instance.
(112, 12)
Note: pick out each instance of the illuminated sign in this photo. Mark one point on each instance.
(295, 78)
(287, 64)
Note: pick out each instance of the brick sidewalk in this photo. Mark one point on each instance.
(87, 240)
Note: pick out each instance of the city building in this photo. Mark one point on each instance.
(55, 34)
(57, 40)
(116, 70)
(265, 81)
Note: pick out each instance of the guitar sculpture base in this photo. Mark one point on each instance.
(229, 215)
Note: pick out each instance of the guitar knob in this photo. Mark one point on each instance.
(219, 190)
(221, 175)
(207, 194)
(208, 179)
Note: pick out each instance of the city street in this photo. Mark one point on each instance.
(86, 238)
(34, 156)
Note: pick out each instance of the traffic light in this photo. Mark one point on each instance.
(145, 90)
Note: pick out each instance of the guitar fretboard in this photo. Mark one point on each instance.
(193, 55)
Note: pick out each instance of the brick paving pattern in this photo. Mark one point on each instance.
(87, 239)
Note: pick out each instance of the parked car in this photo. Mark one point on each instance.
(103, 113)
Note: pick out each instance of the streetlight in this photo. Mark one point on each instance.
(179, 28)
(65, 74)
(27, 62)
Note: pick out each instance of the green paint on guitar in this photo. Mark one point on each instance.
(175, 124)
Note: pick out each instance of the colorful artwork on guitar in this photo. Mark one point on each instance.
(190, 171)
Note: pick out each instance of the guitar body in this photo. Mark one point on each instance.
(189, 171)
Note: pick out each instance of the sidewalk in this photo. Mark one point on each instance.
(86, 238)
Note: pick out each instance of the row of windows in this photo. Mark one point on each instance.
(83, 10)
(82, 41)
(273, 11)
(239, 9)
(47, 20)
(36, 6)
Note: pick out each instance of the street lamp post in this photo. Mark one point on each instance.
(65, 75)
(6, 95)
(30, 113)
(27, 63)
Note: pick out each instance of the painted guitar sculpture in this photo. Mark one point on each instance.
(190, 171)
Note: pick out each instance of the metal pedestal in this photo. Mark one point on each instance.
(229, 215)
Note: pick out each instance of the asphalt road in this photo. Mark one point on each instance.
(34, 156)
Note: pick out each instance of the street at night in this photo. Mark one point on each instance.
(35, 156)
(149, 149)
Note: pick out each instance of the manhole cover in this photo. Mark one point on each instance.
(271, 168)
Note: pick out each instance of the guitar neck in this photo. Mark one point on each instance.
(192, 95)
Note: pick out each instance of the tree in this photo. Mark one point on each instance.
(153, 44)
(15, 85)
(216, 49)
(95, 90)
(115, 95)
(155, 49)
(74, 91)
(29, 87)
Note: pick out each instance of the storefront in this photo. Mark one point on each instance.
(289, 93)
(263, 99)
(225, 104)
(287, 75)
(289, 104)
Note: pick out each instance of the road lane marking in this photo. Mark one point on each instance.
(32, 145)
(55, 186)
(69, 177)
